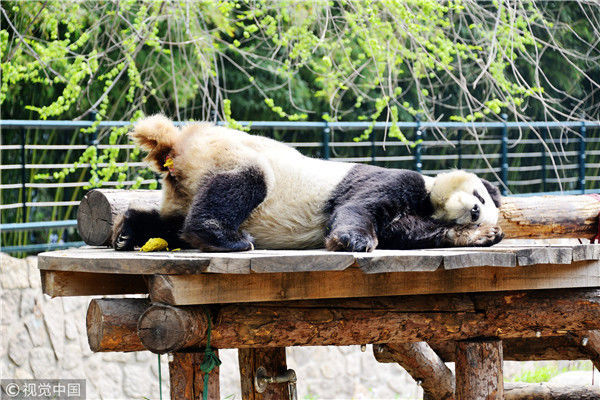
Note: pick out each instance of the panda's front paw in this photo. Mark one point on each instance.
(356, 239)
(476, 236)
(122, 238)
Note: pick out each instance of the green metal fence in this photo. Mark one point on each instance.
(520, 157)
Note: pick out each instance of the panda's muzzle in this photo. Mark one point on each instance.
(475, 212)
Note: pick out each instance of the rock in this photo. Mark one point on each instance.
(55, 322)
(14, 273)
(42, 363)
(19, 346)
(71, 357)
(137, 384)
(37, 331)
(35, 281)
(71, 331)
(10, 300)
(22, 373)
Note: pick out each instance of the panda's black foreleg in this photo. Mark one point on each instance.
(221, 205)
(351, 228)
(136, 226)
(417, 232)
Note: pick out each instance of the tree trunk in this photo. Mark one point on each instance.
(479, 370)
(274, 362)
(546, 391)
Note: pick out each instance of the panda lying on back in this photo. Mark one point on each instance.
(225, 190)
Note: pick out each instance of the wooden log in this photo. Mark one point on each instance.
(112, 324)
(187, 380)
(274, 362)
(479, 370)
(542, 217)
(165, 328)
(514, 349)
(589, 343)
(513, 314)
(548, 391)
(424, 365)
(100, 207)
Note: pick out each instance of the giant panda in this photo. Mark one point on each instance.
(226, 190)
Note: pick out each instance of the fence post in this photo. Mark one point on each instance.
(325, 138)
(373, 148)
(418, 137)
(545, 134)
(504, 157)
(23, 185)
(459, 148)
(582, 157)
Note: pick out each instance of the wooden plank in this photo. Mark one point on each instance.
(586, 252)
(268, 261)
(187, 380)
(479, 370)
(274, 361)
(230, 288)
(67, 283)
(102, 260)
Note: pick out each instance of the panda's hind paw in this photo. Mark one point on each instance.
(357, 240)
(122, 239)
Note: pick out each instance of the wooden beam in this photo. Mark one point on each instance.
(99, 209)
(274, 362)
(479, 370)
(425, 366)
(542, 217)
(563, 347)
(187, 380)
(112, 324)
(231, 288)
(506, 315)
(67, 283)
(548, 391)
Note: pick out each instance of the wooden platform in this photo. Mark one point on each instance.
(192, 277)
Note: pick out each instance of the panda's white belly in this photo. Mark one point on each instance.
(291, 216)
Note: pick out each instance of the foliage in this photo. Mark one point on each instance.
(372, 60)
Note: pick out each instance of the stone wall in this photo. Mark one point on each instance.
(46, 338)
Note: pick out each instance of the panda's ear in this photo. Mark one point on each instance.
(494, 192)
(157, 135)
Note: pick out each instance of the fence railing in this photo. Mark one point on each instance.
(521, 157)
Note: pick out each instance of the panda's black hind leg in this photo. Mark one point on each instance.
(221, 205)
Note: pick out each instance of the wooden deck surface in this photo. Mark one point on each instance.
(193, 277)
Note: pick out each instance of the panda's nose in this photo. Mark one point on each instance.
(475, 211)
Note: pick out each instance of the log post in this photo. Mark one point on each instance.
(479, 370)
(163, 328)
(274, 362)
(589, 343)
(112, 324)
(424, 365)
(99, 208)
(187, 380)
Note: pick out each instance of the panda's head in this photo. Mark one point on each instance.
(463, 198)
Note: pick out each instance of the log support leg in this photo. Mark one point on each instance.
(187, 380)
(479, 370)
(274, 361)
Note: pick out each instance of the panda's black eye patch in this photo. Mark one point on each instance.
(481, 199)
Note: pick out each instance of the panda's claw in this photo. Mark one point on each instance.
(351, 240)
